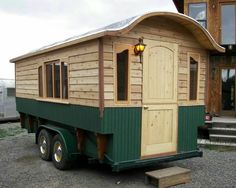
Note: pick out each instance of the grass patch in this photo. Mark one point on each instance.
(220, 148)
(11, 131)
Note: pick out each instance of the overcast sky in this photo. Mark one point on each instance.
(26, 25)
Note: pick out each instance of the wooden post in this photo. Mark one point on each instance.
(101, 145)
(101, 77)
(80, 139)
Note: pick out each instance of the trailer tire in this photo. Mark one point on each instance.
(44, 143)
(59, 153)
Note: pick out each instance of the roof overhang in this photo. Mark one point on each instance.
(201, 34)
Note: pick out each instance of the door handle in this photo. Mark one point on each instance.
(145, 107)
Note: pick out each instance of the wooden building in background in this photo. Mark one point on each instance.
(219, 18)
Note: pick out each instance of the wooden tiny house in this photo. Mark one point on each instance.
(109, 104)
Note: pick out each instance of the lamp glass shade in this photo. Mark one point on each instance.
(139, 48)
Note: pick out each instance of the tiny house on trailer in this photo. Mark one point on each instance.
(95, 95)
(7, 100)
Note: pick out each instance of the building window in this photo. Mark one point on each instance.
(198, 11)
(40, 79)
(193, 76)
(56, 80)
(228, 25)
(11, 92)
(122, 75)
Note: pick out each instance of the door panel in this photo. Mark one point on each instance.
(159, 115)
(159, 129)
(160, 72)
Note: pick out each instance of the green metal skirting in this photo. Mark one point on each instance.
(121, 125)
(78, 116)
(190, 117)
(125, 126)
(154, 161)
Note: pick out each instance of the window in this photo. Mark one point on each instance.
(228, 25)
(56, 80)
(40, 78)
(64, 80)
(198, 12)
(57, 85)
(49, 80)
(193, 76)
(11, 92)
(122, 74)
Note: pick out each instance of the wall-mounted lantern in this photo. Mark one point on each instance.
(139, 48)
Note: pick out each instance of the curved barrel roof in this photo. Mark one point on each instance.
(119, 28)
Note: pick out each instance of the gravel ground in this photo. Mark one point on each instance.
(20, 166)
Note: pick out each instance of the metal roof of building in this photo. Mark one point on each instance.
(112, 27)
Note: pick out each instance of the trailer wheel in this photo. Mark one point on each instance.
(44, 142)
(59, 154)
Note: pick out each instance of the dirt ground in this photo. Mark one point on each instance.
(20, 166)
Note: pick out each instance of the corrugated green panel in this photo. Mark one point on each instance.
(125, 124)
(122, 124)
(83, 117)
(190, 117)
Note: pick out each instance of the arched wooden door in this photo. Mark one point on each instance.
(159, 114)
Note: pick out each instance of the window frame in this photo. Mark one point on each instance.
(119, 47)
(206, 12)
(196, 56)
(44, 80)
(220, 20)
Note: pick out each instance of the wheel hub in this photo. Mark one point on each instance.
(57, 151)
(43, 145)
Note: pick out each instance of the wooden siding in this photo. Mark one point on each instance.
(83, 61)
(159, 30)
(83, 83)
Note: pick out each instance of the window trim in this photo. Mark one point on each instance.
(206, 12)
(44, 82)
(198, 57)
(119, 47)
(220, 18)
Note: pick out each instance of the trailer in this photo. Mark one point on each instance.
(128, 95)
(7, 100)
